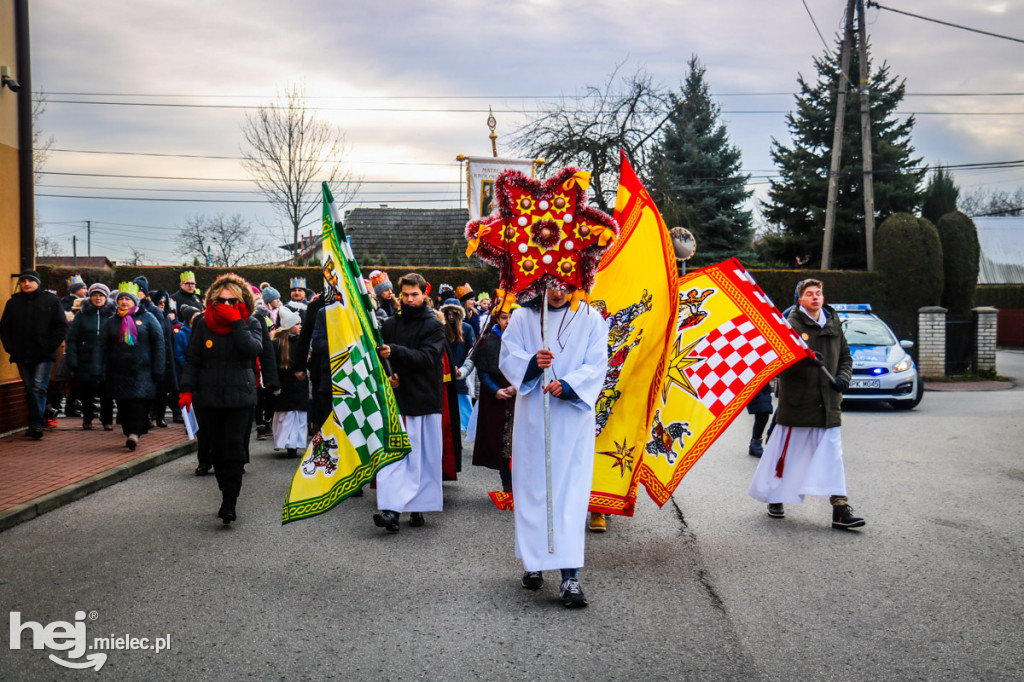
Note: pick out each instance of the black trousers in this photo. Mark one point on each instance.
(133, 415)
(226, 434)
(89, 391)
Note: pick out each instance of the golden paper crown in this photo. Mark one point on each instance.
(128, 288)
(187, 276)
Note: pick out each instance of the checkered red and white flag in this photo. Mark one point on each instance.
(730, 341)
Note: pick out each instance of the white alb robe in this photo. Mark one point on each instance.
(290, 430)
(579, 341)
(813, 465)
(413, 483)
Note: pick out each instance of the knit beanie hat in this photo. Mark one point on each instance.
(143, 284)
(270, 294)
(99, 287)
(30, 274)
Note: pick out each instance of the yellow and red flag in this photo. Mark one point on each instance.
(729, 341)
(635, 291)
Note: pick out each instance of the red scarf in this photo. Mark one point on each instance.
(217, 322)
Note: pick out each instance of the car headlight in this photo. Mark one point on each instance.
(903, 365)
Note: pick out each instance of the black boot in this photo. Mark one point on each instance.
(386, 519)
(227, 509)
(844, 518)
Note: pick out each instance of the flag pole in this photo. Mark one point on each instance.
(547, 424)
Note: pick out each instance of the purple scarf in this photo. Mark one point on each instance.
(129, 333)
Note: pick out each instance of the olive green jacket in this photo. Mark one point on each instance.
(806, 396)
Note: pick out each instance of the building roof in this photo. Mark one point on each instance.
(84, 262)
(416, 236)
(1002, 249)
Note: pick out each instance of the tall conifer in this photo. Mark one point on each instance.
(695, 176)
(797, 200)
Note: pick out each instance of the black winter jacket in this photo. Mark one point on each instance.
(83, 336)
(33, 326)
(294, 395)
(182, 297)
(131, 372)
(220, 369)
(416, 338)
(169, 372)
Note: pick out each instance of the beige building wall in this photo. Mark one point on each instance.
(10, 213)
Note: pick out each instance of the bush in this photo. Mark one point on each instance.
(908, 259)
(961, 253)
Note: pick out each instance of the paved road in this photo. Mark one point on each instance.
(706, 588)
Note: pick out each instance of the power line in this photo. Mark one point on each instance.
(823, 42)
(228, 201)
(172, 177)
(871, 3)
(240, 158)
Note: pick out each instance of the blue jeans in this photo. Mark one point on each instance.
(36, 376)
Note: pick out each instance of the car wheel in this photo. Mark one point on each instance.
(910, 404)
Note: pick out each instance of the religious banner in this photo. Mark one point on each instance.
(635, 292)
(481, 173)
(364, 431)
(729, 341)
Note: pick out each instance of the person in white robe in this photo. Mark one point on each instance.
(804, 455)
(413, 342)
(578, 360)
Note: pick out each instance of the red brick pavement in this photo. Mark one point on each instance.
(66, 455)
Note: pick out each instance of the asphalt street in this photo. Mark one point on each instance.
(706, 588)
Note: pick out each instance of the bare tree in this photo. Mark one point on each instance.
(977, 202)
(40, 147)
(47, 246)
(137, 257)
(289, 152)
(589, 130)
(228, 240)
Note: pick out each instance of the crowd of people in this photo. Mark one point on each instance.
(462, 367)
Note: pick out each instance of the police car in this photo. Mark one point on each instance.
(882, 368)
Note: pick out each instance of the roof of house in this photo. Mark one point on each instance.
(85, 262)
(416, 236)
(1002, 249)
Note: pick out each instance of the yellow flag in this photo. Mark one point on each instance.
(364, 431)
(635, 291)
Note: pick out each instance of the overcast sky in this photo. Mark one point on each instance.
(382, 70)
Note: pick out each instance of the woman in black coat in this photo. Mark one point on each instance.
(219, 381)
(129, 356)
(290, 403)
(79, 349)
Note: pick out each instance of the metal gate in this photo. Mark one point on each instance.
(960, 341)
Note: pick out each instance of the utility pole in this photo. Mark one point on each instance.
(837, 140)
(865, 134)
(88, 237)
(74, 249)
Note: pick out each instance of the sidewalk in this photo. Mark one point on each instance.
(67, 463)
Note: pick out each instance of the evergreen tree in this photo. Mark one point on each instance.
(797, 200)
(695, 174)
(940, 197)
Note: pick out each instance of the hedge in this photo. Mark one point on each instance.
(1002, 296)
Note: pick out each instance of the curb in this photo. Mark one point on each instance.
(58, 498)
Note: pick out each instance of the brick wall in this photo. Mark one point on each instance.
(931, 335)
(986, 322)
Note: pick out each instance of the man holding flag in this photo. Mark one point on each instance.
(805, 453)
(413, 343)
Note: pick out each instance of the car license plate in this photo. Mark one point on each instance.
(864, 383)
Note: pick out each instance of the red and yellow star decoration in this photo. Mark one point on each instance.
(542, 234)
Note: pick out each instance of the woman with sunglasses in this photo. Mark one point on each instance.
(219, 381)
